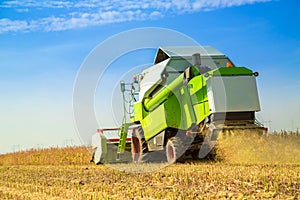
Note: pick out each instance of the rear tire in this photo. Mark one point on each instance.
(175, 150)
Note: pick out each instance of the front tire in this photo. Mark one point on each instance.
(137, 143)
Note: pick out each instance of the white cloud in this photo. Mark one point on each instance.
(211, 5)
(36, 3)
(7, 25)
(65, 15)
(155, 15)
(22, 10)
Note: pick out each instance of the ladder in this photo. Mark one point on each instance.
(123, 137)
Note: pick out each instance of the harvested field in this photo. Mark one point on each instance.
(67, 174)
(178, 181)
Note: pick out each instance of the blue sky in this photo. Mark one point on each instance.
(44, 43)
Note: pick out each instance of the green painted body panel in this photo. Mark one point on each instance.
(172, 114)
(154, 122)
(179, 105)
(233, 71)
(163, 94)
(138, 111)
(199, 98)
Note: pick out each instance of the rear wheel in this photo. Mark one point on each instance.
(175, 150)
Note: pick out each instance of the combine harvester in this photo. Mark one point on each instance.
(188, 99)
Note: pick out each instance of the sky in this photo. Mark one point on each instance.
(43, 45)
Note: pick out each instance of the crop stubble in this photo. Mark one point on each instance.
(267, 168)
(179, 181)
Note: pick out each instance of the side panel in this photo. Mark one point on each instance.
(172, 112)
(232, 94)
(198, 91)
(138, 112)
(188, 117)
(154, 122)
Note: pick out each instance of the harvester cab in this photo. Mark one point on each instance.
(189, 98)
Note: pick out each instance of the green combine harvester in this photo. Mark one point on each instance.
(189, 98)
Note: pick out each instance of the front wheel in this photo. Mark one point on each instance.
(137, 144)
